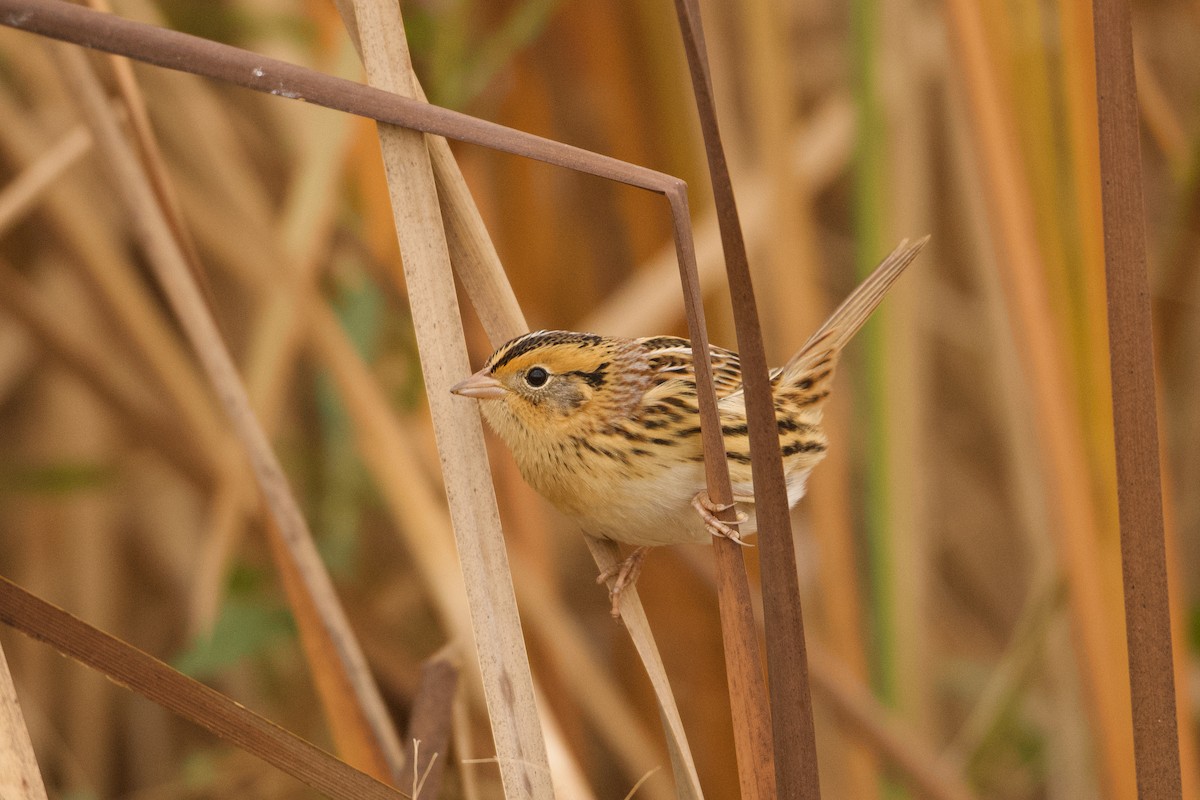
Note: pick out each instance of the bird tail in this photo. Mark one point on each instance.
(815, 361)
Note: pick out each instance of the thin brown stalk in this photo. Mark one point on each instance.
(19, 775)
(790, 714)
(1135, 410)
(355, 711)
(151, 155)
(174, 50)
(213, 711)
(1059, 429)
(430, 721)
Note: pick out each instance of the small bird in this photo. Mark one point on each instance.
(608, 429)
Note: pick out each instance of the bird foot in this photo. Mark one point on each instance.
(624, 574)
(708, 510)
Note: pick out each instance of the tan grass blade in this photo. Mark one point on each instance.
(19, 775)
(356, 711)
(508, 685)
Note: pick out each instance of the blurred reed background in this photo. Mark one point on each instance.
(970, 579)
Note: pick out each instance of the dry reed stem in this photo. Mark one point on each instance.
(141, 673)
(354, 709)
(507, 683)
(153, 163)
(1064, 460)
(19, 776)
(1135, 421)
(430, 720)
(25, 190)
(790, 736)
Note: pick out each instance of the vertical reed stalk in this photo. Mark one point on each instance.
(1135, 416)
(794, 740)
(508, 685)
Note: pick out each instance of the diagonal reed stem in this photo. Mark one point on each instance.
(129, 667)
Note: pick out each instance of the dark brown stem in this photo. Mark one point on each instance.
(791, 704)
(208, 708)
(1135, 422)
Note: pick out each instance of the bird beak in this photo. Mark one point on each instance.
(480, 386)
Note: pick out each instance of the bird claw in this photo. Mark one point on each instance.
(623, 574)
(708, 510)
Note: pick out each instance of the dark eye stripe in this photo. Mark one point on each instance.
(595, 378)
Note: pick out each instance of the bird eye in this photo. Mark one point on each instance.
(537, 377)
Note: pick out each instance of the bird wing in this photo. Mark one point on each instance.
(671, 358)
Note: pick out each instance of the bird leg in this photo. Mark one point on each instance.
(708, 511)
(626, 574)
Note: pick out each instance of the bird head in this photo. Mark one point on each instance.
(553, 382)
